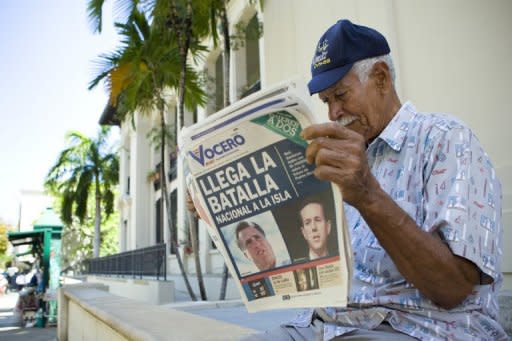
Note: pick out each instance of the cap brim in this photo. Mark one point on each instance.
(328, 78)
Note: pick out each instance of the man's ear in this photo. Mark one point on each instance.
(381, 76)
(302, 231)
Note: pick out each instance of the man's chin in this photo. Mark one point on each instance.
(268, 265)
(317, 248)
(318, 251)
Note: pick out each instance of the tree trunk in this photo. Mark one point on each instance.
(97, 223)
(224, 283)
(184, 44)
(226, 74)
(227, 54)
(165, 195)
(195, 247)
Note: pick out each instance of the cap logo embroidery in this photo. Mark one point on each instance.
(321, 57)
(322, 46)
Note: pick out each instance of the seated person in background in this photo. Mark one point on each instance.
(3, 284)
(33, 281)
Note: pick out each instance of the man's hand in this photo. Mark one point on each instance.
(340, 157)
(422, 258)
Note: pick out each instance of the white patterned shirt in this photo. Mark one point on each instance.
(434, 168)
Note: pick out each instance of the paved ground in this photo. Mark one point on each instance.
(10, 328)
(228, 311)
(233, 311)
(238, 315)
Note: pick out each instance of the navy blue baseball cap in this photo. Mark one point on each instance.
(339, 48)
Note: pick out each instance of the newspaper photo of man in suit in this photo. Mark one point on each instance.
(315, 228)
(312, 232)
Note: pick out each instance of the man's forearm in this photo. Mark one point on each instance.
(421, 257)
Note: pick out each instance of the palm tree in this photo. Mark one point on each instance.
(186, 23)
(137, 75)
(219, 21)
(87, 167)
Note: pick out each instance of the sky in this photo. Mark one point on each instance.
(47, 54)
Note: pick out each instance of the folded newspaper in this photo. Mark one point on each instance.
(281, 230)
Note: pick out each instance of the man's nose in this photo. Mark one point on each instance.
(335, 110)
(257, 243)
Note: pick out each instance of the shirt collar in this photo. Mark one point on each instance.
(395, 132)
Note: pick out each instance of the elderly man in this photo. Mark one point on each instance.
(315, 228)
(252, 241)
(422, 202)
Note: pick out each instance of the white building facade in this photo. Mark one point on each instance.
(450, 56)
(32, 203)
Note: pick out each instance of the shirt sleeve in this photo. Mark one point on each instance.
(463, 199)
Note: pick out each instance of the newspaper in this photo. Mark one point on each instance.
(245, 169)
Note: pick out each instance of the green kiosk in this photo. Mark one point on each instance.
(45, 242)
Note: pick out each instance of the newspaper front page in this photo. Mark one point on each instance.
(280, 229)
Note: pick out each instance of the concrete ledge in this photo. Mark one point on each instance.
(201, 305)
(144, 290)
(101, 316)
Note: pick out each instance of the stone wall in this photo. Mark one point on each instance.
(88, 312)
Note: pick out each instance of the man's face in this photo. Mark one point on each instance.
(257, 248)
(315, 228)
(355, 105)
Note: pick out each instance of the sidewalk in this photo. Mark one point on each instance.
(237, 314)
(10, 328)
(233, 311)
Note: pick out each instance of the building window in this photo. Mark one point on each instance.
(159, 233)
(219, 82)
(195, 225)
(174, 209)
(124, 245)
(252, 52)
(154, 176)
(253, 33)
(173, 166)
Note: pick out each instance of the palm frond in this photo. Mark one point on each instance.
(95, 15)
(82, 193)
(213, 23)
(66, 208)
(123, 8)
(108, 202)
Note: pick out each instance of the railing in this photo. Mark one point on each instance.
(150, 261)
